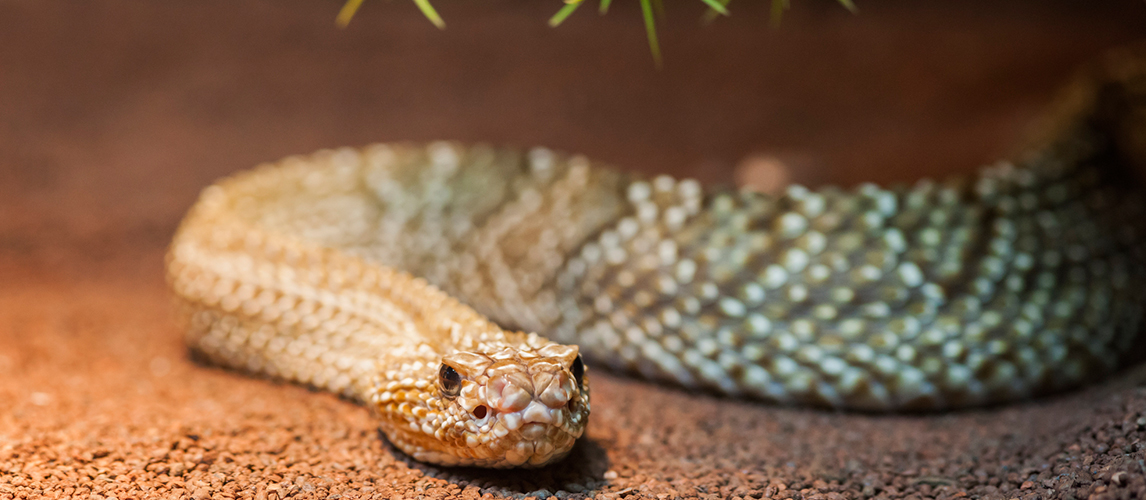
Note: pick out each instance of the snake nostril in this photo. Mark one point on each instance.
(480, 411)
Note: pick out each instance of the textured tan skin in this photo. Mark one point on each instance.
(1023, 280)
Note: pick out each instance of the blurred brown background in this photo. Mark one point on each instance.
(114, 113)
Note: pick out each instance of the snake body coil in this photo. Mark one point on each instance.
(1023, 280)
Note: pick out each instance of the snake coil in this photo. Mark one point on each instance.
(398, 275)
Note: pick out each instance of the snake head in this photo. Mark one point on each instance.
(520, 406)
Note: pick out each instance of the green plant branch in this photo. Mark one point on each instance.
(649, 10)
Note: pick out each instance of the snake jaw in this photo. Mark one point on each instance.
(510, 407)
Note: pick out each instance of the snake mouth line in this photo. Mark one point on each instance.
(538, 444)
(534, 422)
(536, 435)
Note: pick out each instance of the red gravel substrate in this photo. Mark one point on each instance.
(113, 114)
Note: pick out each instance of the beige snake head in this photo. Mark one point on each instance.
(519, 406)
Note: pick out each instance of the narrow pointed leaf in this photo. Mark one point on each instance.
(604, 9)
(347, 12)
(651, 30)
(715, 5)
(560, 16)
(711, 14)
(778, 8)
(430, 13)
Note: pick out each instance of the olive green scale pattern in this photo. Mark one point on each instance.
(1021, 281)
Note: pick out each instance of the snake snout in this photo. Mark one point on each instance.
(553, 389)
(510, 392)
(523, 401)
(538, 413)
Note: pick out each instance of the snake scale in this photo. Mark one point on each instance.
(403, 276)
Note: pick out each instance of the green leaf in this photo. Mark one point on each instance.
(716, 6)
(347, 12)
(711, 14)
(651, 30)
(778, 8)
(649, 10)
(560, 16)
(430, 13)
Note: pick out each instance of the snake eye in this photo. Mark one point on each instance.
(449, 380)
(578, 370)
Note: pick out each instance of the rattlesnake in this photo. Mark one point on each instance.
(340, 270)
